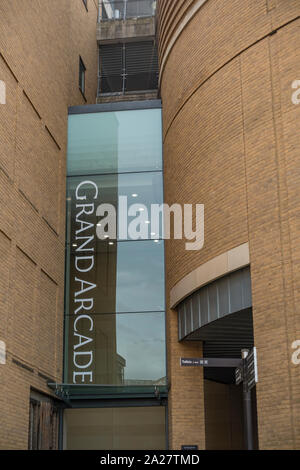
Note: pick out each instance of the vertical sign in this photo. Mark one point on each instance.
(82, 282)
(251, 369)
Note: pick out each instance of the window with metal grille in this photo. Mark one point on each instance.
(128, 67)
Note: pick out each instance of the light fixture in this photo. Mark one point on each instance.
(156, 241)
(147, 222)
(134, 195)
(141, 209)
(111, 243)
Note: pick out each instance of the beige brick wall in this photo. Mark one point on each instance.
(231, 142)
(40, 44)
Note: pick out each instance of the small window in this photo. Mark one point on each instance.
(82, 71)
(85, 4)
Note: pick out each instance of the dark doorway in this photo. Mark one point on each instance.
(43, 423)
(224, 422)
(219, 315)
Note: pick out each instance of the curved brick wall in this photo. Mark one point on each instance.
(232, 142)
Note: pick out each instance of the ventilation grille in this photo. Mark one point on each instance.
(128, 67)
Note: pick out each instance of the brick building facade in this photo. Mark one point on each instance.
(231, 142)
(40, 46)
(230, 138)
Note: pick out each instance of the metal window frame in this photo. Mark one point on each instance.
(114, 107)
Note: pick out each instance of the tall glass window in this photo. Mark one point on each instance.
(115, 298)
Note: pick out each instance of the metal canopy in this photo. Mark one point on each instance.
(74, 394)
(220, 315)
(225, 296)
(227, 336)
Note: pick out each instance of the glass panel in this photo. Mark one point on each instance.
(122, 349)
(115, 142)
(126, 277)
(140, 277)
(140, 189)
(115, 429)
(115, 327)
(140, 8)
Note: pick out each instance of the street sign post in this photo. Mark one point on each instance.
(245, 372)
(251, 369)
(210, 362)
(238, 375)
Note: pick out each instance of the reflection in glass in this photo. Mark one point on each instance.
(141, 189)
(119, 333)
(140, 276)
(128, 349)
(129, 277)
(115, 142)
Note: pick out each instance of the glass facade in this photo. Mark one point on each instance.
(115, 142)
(115, 299)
